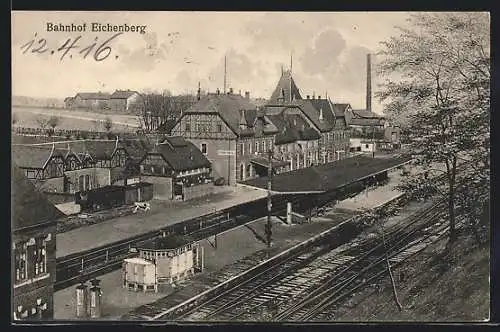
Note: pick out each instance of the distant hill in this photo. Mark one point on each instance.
(37, 102)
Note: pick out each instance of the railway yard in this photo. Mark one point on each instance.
(308, 274)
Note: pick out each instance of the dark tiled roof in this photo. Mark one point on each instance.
(286, 85)
(366, 122)
(93, 95)
(34, 156)
(168, 242)
(183, 157)
(136, 148)
(291, 128)
(228, 106)
(339, 109)
(366, 114)
(29, 207)
(313, 114)
(122, 94)
(327, 108)
(327, 177)
(167, 126)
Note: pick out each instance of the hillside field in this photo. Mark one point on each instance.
(74, 119)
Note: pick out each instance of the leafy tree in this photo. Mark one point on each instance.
(437, 89)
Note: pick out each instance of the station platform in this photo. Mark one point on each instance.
(162, 214)
(328, 177)
(237, 250)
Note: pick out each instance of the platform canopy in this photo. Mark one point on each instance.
(328, 177)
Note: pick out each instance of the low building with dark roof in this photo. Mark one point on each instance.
(163, 261)
(328, 177)
(367, 130)
(42, 165)
(33, 261)
(91, 100)
(175, 166)
(125, 100)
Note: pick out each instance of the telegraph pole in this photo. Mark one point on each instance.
(269, 203)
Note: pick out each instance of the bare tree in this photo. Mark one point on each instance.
(108, 124)
(42, 122)
(14, 118)
(53, 122)
(155, 109)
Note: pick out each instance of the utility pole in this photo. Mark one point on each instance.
(373, 141)
(225, 73)
(269, 203)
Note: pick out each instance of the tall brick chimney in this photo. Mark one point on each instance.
(368, 83)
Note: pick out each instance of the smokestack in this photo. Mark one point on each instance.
(368, 83)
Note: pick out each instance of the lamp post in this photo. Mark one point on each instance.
(269, 202)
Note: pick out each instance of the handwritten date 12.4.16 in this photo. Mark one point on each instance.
(99, 51)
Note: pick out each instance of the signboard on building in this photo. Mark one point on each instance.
(225, 152)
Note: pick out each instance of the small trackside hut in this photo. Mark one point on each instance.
(161, 263)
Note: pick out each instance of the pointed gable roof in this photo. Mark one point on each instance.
(227, 106)
(29, 207)
(286, 89)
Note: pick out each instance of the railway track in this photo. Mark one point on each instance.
(74, 268)
(94, 262)
(296, 278)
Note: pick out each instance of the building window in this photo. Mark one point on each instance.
(81, 184)
(40, 256)
(257, 147)
(187, 127)
(249, 170)
(204, 148)
(87, 182)
(242, 149)
(366, 146)
(249, 147)
(21, 253)
(219, 128)
(264, 146)
(30, 174)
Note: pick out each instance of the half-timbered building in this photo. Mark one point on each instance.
(175, 167)
(42, 165)
(229, 131)
(33, 260)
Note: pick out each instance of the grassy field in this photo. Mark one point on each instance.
(74, 119)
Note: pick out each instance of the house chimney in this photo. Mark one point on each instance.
(368, 83)
(247, 94)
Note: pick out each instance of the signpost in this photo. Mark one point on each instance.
(225, 152)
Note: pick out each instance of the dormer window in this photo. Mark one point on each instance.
(321, 114)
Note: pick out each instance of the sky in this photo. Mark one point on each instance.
(180, 49)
